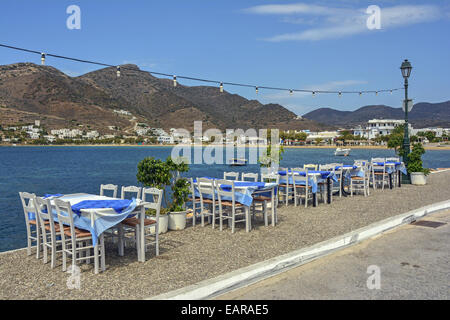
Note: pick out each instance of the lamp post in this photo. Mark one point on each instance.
(406, 72)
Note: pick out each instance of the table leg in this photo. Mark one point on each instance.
(328, 190)
(120, 242)
(399, 179)
(390, 180)
(314, 199)
(96, 257)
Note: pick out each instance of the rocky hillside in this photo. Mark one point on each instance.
(29, 91)
(422, 115)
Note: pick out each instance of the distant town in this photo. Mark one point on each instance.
(375, 132)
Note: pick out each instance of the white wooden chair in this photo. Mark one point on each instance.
(340, 176)
(394, 176)
(249, 177)
(285, 188)
(302, 188)
(231, 176)
(49, 229)
(32, 223)
(358, 184)
(366, 168)
(135, 191)
(322, 185)
(263, 200)
(195, 201)
(109, 187)
(75, 242)
(207, 191)
(153, 199)
(233, 208)
(379, 175)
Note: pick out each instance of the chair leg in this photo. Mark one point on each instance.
(38, 243)
(120, 242)
(96, 258)
(232, 221)
(266, 222)
(102, 252)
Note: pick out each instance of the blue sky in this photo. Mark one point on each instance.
(317, 45)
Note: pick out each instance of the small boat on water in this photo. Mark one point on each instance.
(238, 162)
(342, 152)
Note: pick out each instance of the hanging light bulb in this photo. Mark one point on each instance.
(291, 92)
(256, 90)
(174, 81)
(340, 94)
(360, 93)
(221, 87)
(376, 93)
(391, 92)
(118, 72)
(43, 59)
(314, 94)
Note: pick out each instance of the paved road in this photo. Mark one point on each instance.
(413, 261)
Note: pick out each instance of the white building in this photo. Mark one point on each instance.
(382, 127)
(325, 135)
(165, 139)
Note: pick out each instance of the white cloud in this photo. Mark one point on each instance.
(341, 22)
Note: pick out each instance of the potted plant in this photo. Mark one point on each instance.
(415, 165)
(163, 175)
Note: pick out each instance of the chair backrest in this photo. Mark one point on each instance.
(310, 166)
(131, 189)
(109, 187)
(206, 187)
(361, 162)
(249, 176)
(232, 175)
(65, 217)
(44, 213)
(327, 167)
(225, 193)
(378, 168)
(393, 159)
(270, 178)
(378, 160)
(297, 177)
(297, 169)
(153, 197)
(29, 209)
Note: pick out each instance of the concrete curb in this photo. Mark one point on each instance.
(245, 276)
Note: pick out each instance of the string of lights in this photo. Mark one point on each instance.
(176, 77)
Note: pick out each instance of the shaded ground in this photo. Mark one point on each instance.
(197, 254)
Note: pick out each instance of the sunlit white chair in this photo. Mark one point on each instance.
(152, 198)
(285, 188)
(32, 222)
(233, 209)
(76, 242)
(231, 175)
(322, 185)
(302, 188)
(195, 201)
(49, 229)
(109, 187)
(360, 184)
(261, 199)
(379, 175)
(207, 190)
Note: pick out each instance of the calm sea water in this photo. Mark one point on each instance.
(66, 170)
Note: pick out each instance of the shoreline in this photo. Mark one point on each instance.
(224, 146)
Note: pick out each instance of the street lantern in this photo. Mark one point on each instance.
(406, 69)
(406, 72)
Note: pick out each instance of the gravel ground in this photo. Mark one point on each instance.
(196, 254)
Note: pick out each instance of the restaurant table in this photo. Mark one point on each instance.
(100, 218)
(316, 177)
(245, 190)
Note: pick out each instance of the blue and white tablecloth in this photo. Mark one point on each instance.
(97, 213)
(392, 167)
(243, 190)
(314, 177)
